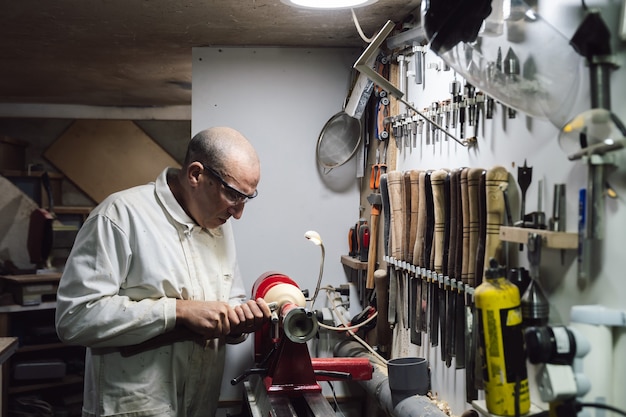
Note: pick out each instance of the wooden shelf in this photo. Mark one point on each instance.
(550, 239)
(43, 346)
(82, 210)
(33, 174)
(16, 308)
(12, 322)
(353, 263)
(67, 380)
(8, 346)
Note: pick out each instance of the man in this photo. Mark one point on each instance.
(155, 258)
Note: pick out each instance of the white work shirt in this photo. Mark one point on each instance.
(134, 256)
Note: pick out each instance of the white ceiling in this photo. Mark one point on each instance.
(138, 52)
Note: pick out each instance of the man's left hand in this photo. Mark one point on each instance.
(249, 316)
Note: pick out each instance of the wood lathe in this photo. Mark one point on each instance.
(284, 380)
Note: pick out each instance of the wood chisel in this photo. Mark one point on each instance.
(482, 229)
(407, 254)
(428, 259)
(465, 238)
(473, 178)
(450, 335)
(455, 259)
(415, 284)
(437, 181)
(394, 184)
(384, 286)
(418, 253)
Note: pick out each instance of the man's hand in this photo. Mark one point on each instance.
(212, 319)
(251, 316)
(209, 319)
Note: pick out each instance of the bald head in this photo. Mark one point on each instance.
(220, 172)
(221, 147)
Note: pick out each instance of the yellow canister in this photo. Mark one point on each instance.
(502, 353)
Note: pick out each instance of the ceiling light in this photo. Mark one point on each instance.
(328, 4)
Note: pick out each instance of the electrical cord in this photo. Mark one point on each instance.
(616, 410)
(358, 28)
(319, 278)
(344, 329)
(332, 389)
(354, 335)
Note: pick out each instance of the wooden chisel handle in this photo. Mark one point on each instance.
(437, 180)
(482, 230)
(496, 182)
(466, 226)
(414, 186)
(473, 177)
(454, 220)
(406, 215)
(429, 253)
(394, 184)
(383, 330)
(418, 248)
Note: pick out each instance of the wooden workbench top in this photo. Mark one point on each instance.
(8, 346)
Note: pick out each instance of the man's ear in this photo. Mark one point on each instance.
(194, 170)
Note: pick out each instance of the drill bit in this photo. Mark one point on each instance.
(512, 71)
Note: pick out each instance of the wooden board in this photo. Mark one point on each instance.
(552, 240)
(105, 156)
(32, 278)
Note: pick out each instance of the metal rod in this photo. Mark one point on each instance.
(435, 124)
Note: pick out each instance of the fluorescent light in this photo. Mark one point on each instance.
(328, 4)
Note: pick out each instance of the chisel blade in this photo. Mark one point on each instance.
(435, 298)
(471, 348)
(415, 310)
(459, 325)
(450, 321)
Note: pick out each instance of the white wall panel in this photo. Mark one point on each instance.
(280, 98)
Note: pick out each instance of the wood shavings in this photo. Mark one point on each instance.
(440, 404)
